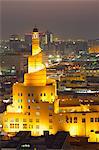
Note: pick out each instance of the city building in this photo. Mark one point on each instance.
(37, 108)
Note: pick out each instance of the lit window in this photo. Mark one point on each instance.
(17, 119)
(50, 121)
(28, 100)
(38, 134)
(32, 100)
(12, 120)
(11, 125)
(19, 107)
(37, 113)
(67, 119)
(96, 119)
(30, 120)
(16, 125)
(37, 120)
(24, 126)
(70, 119)
(19, 100)
(38, 107)
(51, 94)
(83, 120)
(91, 119)
(50, 127)
(30, 126)
(37, 126)
(6, 126)
(75, 119)
(24, 120)
(6, 120)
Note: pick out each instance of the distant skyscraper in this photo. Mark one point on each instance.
(48, 37)
(14, 42)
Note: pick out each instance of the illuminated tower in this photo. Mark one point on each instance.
(36, 91)
(36, 75)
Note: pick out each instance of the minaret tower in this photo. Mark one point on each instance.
(36, 75)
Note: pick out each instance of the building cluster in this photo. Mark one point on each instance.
(62, 97)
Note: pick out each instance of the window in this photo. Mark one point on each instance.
(75, 119)
(24, 120)
(28, 107)
(91, 119)
(30, 120)
(19, 100)
(18, 94)
(51, 94)
(91, 130)
(11, 125)
(50, 127)
(16, 125)
(32, 100)
(28, 94)
(44, 94)
(19, 107)
(37, 120)
(83, 120)
(12, 120)
(6, 126)
(30, 126)
(50, 114)
(32, 94)
(17, 119)
(67, 119)
(37, 113)
(28, 100)
(50, 121)
(50, 107)
(6, 120)
(37, 126)
(70, 119)
(41, 94)
(24, 126)
(38, 107)
(96, 119)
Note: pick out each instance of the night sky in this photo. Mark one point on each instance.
(66, 18)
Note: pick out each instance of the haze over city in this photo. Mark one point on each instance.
(66, 18)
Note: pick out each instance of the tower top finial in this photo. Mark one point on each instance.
(35, 29)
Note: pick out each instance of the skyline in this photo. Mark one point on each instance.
(68, 19)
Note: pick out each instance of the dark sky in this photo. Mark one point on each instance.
(66, 18)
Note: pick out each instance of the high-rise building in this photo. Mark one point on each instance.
(14, 43)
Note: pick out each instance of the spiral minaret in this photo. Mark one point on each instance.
(36, 69)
